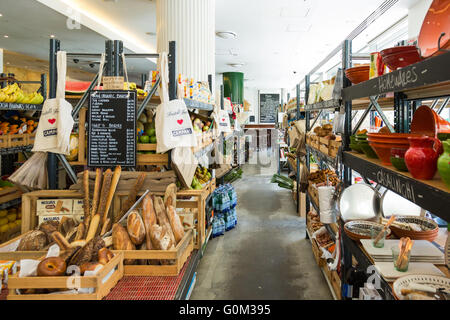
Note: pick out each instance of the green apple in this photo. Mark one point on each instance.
(144, 139)
(152, 139)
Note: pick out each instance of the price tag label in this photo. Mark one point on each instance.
(113, 83)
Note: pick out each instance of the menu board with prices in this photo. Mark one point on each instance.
(268, 107)
(112, 128)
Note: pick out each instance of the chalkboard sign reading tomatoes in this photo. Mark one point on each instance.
(112, 128)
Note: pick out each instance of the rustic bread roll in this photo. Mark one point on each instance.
(175, 223)
(160, 237)
(135, 227)
(104, 256)
(49, 227)
(90, 266)
(87, 253)
(121, 241)
(34, 241)
(162, 218)
(170, 196)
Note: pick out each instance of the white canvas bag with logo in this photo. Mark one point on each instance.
(172, 122)
(222, 120)
(56, 122)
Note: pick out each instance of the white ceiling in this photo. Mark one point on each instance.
(275, 38)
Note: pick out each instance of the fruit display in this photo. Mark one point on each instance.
(202, 176)
(10, 220)
(14, 94)
(133, 86)
(17, 124)
(200, 125)
(146, 131)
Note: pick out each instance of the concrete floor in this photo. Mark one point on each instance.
(266, 256)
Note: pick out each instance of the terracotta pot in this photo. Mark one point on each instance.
(421, 157)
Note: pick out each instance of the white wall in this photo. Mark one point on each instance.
(416, 14)
(251, 95)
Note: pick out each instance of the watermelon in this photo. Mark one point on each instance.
(78, 87)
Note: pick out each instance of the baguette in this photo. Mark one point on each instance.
(161, 217)
(112, 189)
(104, 193)
(131, 196)
(97, 187)
(105, 227)
(149, 218)
(170, 196)
(121, 241)
(175, 223)
(93, 227)
(86, 203)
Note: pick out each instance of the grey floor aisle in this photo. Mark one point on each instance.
(266, 256)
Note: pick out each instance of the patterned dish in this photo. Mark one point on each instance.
(360, 229)
(431, 281)
(429, 227)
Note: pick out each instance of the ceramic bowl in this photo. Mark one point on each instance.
(360, 229)
(395, 138)
(430, 234)
(434, 24)
(399, 57)
(368, 151)
(358, 74)
(398, 158)
(383, 150)
(430, 281)
(427, 122)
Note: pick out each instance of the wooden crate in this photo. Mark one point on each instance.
(179, 255)
(313, 193)
(4, 140)
(29, 217)
(333, 148)
(192, 199)
(18, 140)
(317, 253)
(334, 280)
(141, 159)
(323, 145)
(18, 255)
(9, 193)
(101, 284)
(31, 138)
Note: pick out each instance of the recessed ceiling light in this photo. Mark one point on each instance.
(52, 36)
(1, 15)
(236, 65)
(151, 33)
(6, 36)
(226, 34)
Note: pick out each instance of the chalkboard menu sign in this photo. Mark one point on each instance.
(112, 128)
(268, 107)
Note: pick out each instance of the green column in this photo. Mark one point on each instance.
(233, 86)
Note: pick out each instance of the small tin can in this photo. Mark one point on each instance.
(376, 65)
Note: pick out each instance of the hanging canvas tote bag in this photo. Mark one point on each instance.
(172, 122)
(56, 122)
(222, 120)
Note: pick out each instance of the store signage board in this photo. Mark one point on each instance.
(113, 83)
(112, 128)
(424, 73)
(268, 107)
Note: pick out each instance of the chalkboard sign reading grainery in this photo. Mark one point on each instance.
(268, 107)
(112, 128)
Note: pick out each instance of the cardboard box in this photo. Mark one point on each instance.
(78, 218)
(78, 207)
(54, 206)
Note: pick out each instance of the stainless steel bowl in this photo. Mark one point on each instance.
(359, 202)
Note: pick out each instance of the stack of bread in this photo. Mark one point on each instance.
(156, 227)
(325, 131)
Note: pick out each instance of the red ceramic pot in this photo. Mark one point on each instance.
(421, 157)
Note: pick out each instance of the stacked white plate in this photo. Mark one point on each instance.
(422, 251)
(388, 271)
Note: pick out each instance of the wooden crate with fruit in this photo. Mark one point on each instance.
(333, 147)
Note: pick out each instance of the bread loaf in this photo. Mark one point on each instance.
(160, 237)
(149, 218)
(48, 227)
(121, 240)
(170, 196)
(34, 241)
(161, 216)
(175, 223)
(135, 227)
